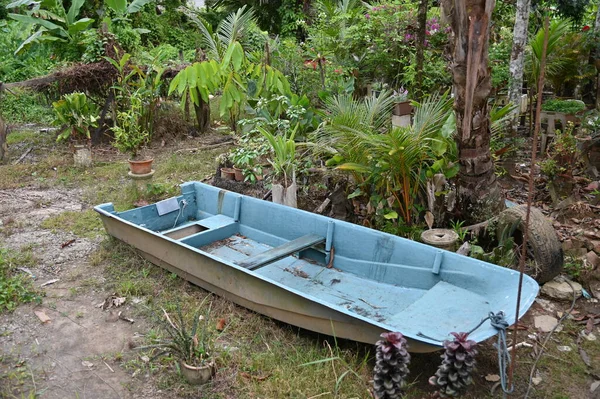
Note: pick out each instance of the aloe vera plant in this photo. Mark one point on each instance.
(188, 343)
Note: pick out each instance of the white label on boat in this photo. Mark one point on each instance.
(167, 206)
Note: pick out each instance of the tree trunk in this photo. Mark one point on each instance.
(202, 114)
(422, 20)
(3, 134)
(517, 57)
(597, 30)
(479, 196)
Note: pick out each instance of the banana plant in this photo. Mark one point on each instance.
(50, 20)
(234, 76)
(121, 8)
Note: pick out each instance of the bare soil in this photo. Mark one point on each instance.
(72, 355)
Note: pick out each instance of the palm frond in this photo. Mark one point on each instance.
(233, 27)
(431, 114)
(207, 38)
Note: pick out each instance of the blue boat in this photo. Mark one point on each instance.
(318, 273)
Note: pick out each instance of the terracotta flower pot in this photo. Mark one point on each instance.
(197, 375)
(141, 167)
(239, 174)
(227, 174)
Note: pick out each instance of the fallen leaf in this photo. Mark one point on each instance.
(42, 316)
(87, 364)
(492, 378)
(254, 377)
(221, 324)
(50, 282)
(589, 326)
(585, 357)
(66, 244)
(429, 219)
(113, 301)
(141, 202)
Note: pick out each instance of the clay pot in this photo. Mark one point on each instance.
(197, 375)
(227, 174)
(141, 167)
(441, 238)
(239, 174)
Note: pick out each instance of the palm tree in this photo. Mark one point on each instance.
(233, 28)
(478, 193)
(388, 161)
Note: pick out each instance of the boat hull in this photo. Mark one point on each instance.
(247, 291)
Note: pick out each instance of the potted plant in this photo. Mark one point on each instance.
(189, 344)
(570, 108)
(402, 104)
(75, 115)
(131, 137)
(283, 161)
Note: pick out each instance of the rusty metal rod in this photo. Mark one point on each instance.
(530, 195)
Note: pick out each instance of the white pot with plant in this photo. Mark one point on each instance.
(189, 344)
(284, 188)
(131, 138)
(75, 115)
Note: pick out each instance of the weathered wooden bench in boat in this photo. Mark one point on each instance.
(317, 273)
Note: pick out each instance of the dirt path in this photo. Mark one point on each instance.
(74, 355)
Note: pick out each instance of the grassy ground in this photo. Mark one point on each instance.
(257, 357)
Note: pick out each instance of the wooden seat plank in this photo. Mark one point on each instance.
(280, 252)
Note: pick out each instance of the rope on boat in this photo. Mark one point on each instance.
(498, 321)
(181, 208)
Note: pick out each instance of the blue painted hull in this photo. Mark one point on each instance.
(376, 282)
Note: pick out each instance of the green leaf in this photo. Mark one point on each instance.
(142, 31)
(19, 3)
(357, 193)
(74, 11)
(452, 171)
(194, 96)
(335, 160)
(80, 25)
(37, 37)
(391, 215)
(174, 83)
(137, 5)
(123, 61)
(237, 56)
(118, 6)
(27, 19)
(355, 167)
(191, 76)
(182, 84)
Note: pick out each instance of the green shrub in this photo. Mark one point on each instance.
(25, 107)
(564, 106)
(15, 287)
